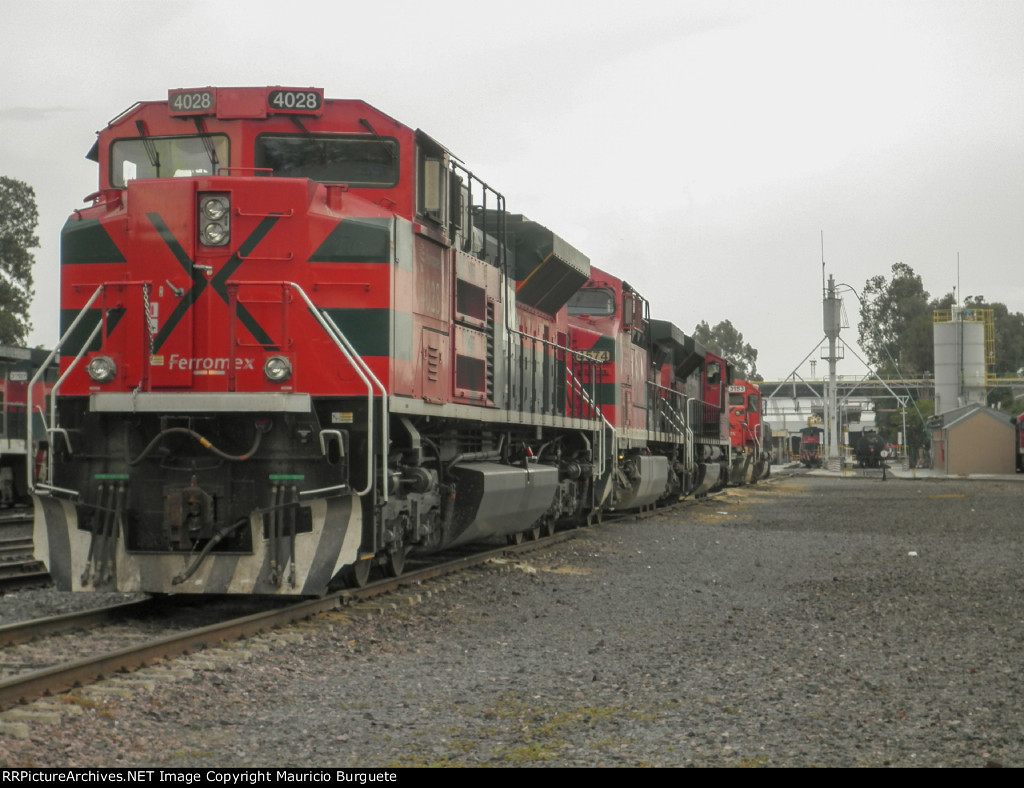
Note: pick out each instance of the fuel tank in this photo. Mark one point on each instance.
(496, 500)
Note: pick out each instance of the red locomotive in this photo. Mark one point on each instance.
(23, 371)
(810, 446)
(300, 339)
(749, 434)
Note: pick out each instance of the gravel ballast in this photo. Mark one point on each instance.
(811, 622)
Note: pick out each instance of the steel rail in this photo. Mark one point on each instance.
(15, 575)
(60, 678)
(24, 631)
(16, 546)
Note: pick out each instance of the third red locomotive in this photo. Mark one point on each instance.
(300, 339)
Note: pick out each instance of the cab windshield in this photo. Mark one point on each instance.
(368, 162)
(167, 157)
(595, 301)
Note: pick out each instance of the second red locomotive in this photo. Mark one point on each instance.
(300, 339)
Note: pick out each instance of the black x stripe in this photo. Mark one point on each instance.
(218, 283)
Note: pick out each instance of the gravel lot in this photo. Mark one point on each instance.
(810, 622)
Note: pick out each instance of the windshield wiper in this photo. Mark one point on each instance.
(151, 151)
(366, 125)
(207, 139)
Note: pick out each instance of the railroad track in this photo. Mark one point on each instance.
(16, 533)
(133, 648)
(22, 572)
(18, 567)
(15, 547)
(72, 634)
(16, 521)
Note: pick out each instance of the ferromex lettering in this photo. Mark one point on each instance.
(207, 363)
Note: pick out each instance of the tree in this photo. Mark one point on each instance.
(726, 341)
(18, 220)
(895, 329)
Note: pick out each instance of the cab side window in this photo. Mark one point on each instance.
(432, 184)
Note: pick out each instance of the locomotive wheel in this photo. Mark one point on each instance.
(358, 575)
(394, 561)
(550, 526)
(534, 534)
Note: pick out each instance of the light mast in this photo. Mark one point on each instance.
(832, 321)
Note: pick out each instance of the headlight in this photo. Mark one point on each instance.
(102, 369)
(215, 234)
(215, 208)
(277, 369)
(214, 219)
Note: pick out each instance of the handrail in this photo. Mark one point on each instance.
(29, 459)
(673, 417)
(385, 436)
(692, 405)
(361, 367)
(547, 343)
(595, 408)
(679, 422)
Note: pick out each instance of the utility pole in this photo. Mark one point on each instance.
(832, 320)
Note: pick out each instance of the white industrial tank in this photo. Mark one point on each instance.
(959, 361)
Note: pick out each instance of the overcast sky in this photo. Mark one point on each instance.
(698, 148)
